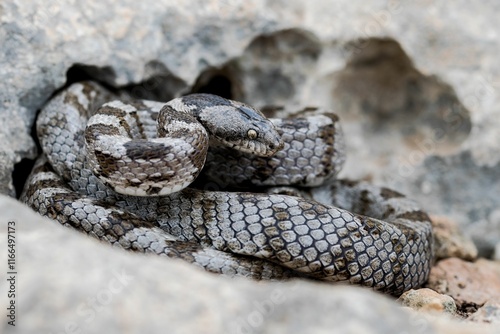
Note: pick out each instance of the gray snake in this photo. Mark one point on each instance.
(120, 173)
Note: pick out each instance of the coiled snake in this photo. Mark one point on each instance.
(120, 173)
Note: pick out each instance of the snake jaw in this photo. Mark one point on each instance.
(254, 147)
(266, 143)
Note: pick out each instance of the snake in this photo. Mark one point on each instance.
(213, 182)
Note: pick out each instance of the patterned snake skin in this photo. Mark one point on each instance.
(106, 171)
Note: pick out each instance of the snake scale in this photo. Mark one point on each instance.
(118, 170)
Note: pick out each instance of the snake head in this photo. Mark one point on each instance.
(236, 125)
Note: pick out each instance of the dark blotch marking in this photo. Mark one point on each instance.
(92, 132)
(387, 193)
(168, 115)
(415, 216)
(294, 123)
(283, 215)
(208, 206)
(334, 117)
(154, 190)
(109, 110)
(72, 99)
(57, 203)
(45, 167)
(107, 163)
(143, 149)
(123, 222)
(349, 183)
(328, 133)
(364, 203)
(271, 111)
(263, 170)
(388, 212)
(88, 89)
(138, 105)
(183, 250)
(320, 209)
(370, 225)
(202, 101)
(310, 108)
(118, 113)
(249, 113)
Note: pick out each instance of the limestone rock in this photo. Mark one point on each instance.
(496, 255)
(471, 284)
(428, 300)
(488, 313)
(450, 241)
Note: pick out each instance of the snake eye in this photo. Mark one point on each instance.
(252, 134)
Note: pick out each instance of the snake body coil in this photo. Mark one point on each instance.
(120, 172)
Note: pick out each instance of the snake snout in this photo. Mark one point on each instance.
(274, 143)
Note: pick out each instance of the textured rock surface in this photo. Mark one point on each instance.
(489, 313)
(496, 255)
(428, 300)
(450, 241)
(67, 282)
(471, 284)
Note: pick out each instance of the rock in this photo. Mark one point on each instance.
(486, 231)
(470, 284)
(450, 241)
(489, 313)
(469, 193)
(428, 300)
(496, 255)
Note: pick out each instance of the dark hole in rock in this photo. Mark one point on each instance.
(23, 168)
(380, 83)
(157, 88)
(82, 72)
(214, 82)
(159, 84)
(275, 66)
(20, 173)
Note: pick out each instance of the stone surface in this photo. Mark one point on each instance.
(450, 241)
(470, 284)
(428, 300)
(457, 187)
(489, 313)
(496, 255)
(69, 282)
(486, 231)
